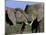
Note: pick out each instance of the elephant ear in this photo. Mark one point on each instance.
(7, 19)
(37, 20)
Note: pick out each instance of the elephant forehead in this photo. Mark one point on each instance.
(18, 14)
(21, 18)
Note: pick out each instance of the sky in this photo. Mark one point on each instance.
(17, 4)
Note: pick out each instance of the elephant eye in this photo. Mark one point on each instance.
(29, 22)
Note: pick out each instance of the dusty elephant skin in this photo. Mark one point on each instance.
(29, 20)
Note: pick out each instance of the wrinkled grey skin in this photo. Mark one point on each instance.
(16, 15)
(21, 16)
(37, 10)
